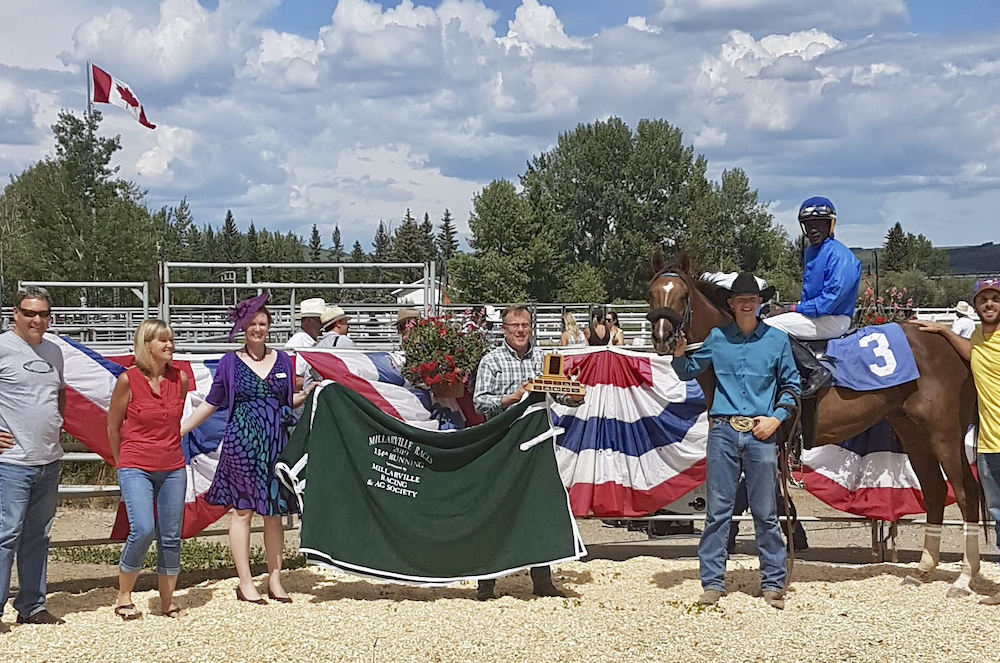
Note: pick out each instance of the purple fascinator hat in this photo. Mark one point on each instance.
(244, 312)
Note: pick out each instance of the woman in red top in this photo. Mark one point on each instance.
(144, 431)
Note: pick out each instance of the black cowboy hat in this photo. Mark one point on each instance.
(746, 284)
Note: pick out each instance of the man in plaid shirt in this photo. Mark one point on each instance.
(500, 382)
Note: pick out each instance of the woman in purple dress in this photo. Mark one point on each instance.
(257, 385)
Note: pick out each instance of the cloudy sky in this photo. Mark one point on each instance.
(294, 112)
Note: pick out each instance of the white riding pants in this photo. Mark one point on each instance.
(799, 326)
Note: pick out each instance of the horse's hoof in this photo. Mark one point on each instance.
(958, 592)
(911, 581)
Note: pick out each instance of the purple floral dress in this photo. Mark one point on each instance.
(255, 435)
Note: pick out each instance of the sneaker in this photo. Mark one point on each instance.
(991, 600)
(710, 597)
(41, 617)
(4, 628)
(774, 599)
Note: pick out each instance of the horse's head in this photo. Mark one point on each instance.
(669, 302)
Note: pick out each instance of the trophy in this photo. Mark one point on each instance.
(553, 381)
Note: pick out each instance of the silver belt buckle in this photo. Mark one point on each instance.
(741, 424)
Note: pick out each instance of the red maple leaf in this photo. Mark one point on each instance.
(127, 96)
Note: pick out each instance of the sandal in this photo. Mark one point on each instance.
(174, 612)
(127, 612)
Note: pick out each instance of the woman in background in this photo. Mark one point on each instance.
(597, 332)
(257, 384)
(572, 336)
(144, 432)
(617, 335)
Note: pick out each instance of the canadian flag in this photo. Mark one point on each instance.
(109, 90)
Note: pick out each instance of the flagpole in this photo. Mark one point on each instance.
(90, 150)
(90, 93)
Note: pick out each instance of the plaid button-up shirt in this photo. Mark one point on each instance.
(500, 373)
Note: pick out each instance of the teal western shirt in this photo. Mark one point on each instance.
(750, 370)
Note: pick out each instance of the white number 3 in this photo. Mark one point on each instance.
(882, 351)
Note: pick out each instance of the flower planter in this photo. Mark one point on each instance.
(443, 390)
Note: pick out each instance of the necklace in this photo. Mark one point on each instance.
(250, 354)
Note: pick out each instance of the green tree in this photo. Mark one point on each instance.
(230, 240)
(903, 251)
(337, 249)
(316, 255)
(68, 218)
(410, 243)
(609, 196)
(447, 237)
(488, 278)
(251, 244)
(896, 249)
(501, 240)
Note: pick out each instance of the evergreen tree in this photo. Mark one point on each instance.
(896, 250)
(381, 243)
(428, 248)
(251, 244)
(337, 250)
(230, 240)
(357, 256)
(315, 246)
(447, 237)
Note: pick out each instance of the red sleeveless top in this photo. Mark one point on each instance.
(151, 432)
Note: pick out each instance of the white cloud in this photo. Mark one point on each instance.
(537, 25)
(419, 106)
(782, 15)
(639, 23)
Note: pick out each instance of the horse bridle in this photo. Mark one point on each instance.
(681, 322)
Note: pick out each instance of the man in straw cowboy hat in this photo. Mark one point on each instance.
(335, 325)
(964, 325)
(310, 311)
(982, 351)
(405, 319)
(753, 364)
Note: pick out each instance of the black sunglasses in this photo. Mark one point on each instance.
(31, 314)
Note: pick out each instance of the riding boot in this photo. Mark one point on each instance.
(813, 375)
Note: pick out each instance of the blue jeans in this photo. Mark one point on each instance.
(730, 452)
(989, 478)
(28, 498)
(140, 491)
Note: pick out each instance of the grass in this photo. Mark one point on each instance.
(195, 556)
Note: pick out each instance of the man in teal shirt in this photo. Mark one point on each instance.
(753, 363)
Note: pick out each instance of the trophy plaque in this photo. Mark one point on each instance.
(553, 381)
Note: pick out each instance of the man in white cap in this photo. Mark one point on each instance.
(335, 323)
(982, 351)
(310, 312)
(964, 325)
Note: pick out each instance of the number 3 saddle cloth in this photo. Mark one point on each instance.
(870, 358)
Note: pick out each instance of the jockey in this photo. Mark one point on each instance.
(829, 290)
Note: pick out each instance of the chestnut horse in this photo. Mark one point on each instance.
(930, 415)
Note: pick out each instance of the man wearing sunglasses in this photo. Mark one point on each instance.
(32, 402)
(500, 383)
(829, 291)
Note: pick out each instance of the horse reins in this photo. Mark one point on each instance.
(783, 445)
